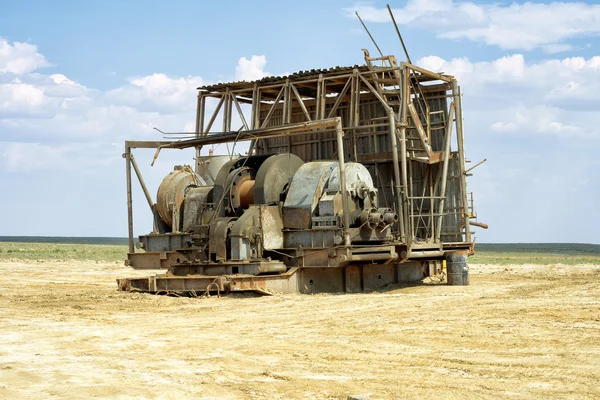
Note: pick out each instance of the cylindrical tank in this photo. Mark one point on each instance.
(457, 268)
(171, 192)
(209, 166)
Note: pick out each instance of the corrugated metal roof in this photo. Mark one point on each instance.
(300, 75)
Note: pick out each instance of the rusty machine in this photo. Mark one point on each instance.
(355, 179)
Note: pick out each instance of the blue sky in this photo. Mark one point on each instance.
(78, 78)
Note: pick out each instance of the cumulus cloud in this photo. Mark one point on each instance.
(523, 26)
(48, 120)
(20, 58)
(20, 98)
(550, 96)
(252, 69)
(158, 92)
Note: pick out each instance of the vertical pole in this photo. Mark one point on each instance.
(226, 119)
(254, 118)
(342, 168)
(200, 127)
(412, 227)
(447, 144)
(138, 173)
(352, 105)
(320, 108)
(286, 110)
(356, 117)
(284, 113)
(461, 156)
(199, 123)
(127, 156)
(392, 120)
(431, 200)
(228, 109)
(404, 123)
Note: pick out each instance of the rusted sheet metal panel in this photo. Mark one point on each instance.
(218, 238)
(271, 227)
(376, 276)
(304, 194)
(353, 279)
(198, 284)
(153, 260)
(452, 226)
(296, 76)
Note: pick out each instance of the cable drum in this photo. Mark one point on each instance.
(457, 269)
(172, 190)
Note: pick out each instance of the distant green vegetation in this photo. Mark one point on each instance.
(115, 250)
(536, 253)
(63, 239)
(62, 251)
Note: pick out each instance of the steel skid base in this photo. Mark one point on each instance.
(349, 279)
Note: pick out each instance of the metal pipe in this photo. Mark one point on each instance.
(398, 32)
(301, 102)
(369, 33)
(146, 193)
(141, 180)
(339, 99)
(342, 168)
(129, 199)
(214, 116)
(447, 144)
(404, 122)
(392, 120)
(275, 104)
(281, 130)
(240, 113)
(253, 116)
(479, 224)
(197, 130)
(461, 155)
(374, 257)
(476, 165)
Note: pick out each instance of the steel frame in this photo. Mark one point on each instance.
(316, 100)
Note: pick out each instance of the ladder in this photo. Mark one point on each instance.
(388, 83)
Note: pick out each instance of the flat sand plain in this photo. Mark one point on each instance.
(522, 332)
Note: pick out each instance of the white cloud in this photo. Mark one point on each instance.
(50, 122)
(511, 95)
(569, 79)
(252, 69)
(158, 92)
(20, 58)
(20, 97)
(523, 26)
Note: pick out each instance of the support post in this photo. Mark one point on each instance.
(461, 155)
(447, 144)
(145, 190)
(403, 124)
(342, 168)
(127, 156)
(392, 120)
(199, 127)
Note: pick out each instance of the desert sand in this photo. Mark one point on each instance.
(523, 332)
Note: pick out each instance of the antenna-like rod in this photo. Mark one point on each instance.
(369, 33)
(398, 32)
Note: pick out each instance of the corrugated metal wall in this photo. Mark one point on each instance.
(371, 145)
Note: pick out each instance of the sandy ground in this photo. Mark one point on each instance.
(516, 332)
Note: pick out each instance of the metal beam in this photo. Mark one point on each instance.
(127, 157)
(461, 155)
(224, 137)
(301, 102)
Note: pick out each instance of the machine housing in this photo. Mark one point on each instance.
(355, 179)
